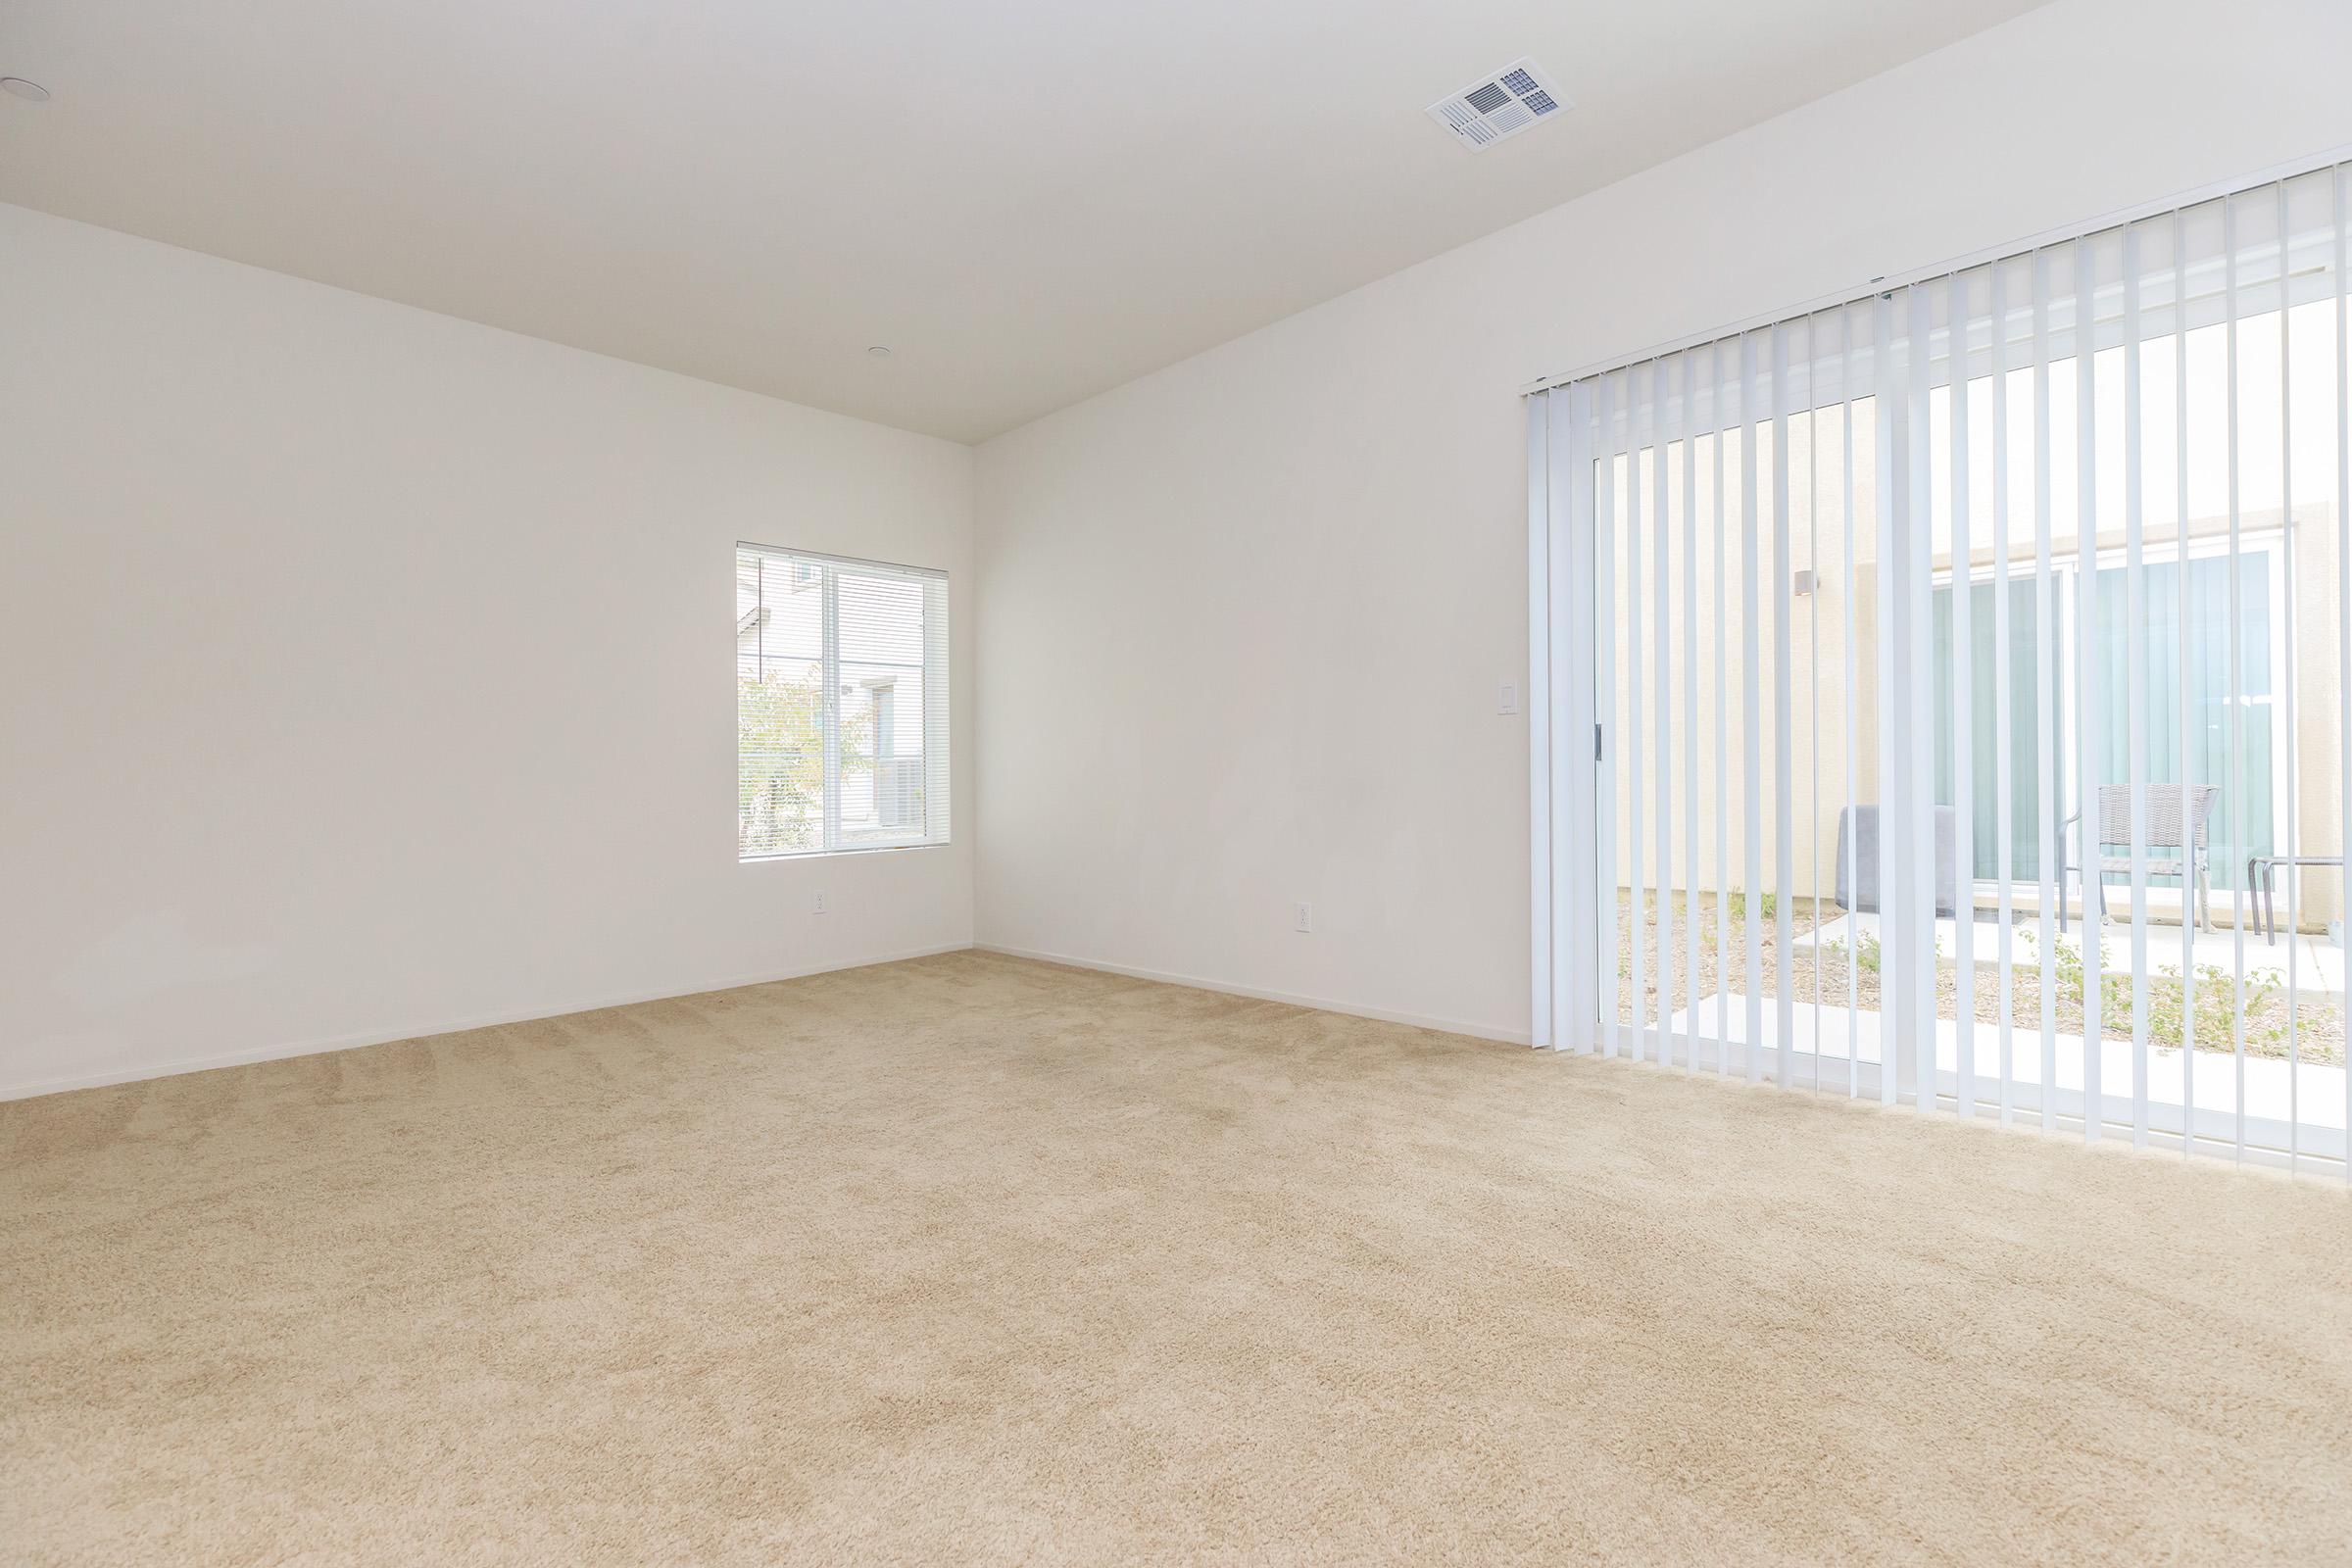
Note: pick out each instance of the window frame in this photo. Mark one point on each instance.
(934, 720)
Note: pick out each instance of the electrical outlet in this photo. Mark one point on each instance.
(820, 903)
(1307, 917)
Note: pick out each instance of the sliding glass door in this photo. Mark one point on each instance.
(1945, 693)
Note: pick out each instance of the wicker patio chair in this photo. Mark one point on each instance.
(2177, 817)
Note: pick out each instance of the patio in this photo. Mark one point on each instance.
(2277, 1092)
(2318, 963)
(1835, 1046)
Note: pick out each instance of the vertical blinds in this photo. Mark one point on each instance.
(840, 704)
(1942, 695)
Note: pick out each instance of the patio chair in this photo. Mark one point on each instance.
(2178, 816)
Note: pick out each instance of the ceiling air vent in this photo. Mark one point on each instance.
(1517, 96)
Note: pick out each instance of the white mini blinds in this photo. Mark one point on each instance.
(1942, 696)
(840, 704)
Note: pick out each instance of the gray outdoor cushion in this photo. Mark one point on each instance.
(1858, 829)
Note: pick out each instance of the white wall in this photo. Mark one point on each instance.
(369, 673)
(1244, 619)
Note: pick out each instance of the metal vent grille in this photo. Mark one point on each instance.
(1519, 95)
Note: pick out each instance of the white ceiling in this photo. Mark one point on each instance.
(1027, 200)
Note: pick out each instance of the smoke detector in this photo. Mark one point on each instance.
(1519, 95)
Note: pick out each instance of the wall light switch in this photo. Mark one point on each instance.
(1506, 698)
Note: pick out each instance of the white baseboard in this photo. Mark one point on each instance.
(1451, 1026)
(379, 1037)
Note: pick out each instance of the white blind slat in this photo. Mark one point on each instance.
(1604, 558)
(2045, 694)
(1964, 714)
(2135, 622)
(2340, 207)
(1690, 883)
(2004, 715)
(1784, 879)
(1540, 619)
(1751, 721)
(1886, 712)
(1637, 797)
(2188, 967)
(1850, 592)
(1662, 573)
(2087, 814)
(2291, 872)
(1720, 420)
(2238, 717)
(1921, 840)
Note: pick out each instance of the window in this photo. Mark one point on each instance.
(2240, 832)
(840, 704)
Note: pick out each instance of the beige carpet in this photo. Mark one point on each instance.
(971, 1260)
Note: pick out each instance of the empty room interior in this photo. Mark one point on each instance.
(1514, 783)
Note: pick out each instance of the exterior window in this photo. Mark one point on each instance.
(2242, 830)
(840, 704)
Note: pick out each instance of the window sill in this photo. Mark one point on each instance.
(789, 856)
